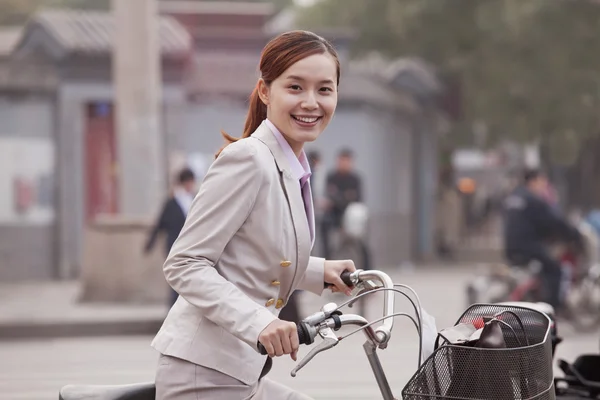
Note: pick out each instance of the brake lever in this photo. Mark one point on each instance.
(320, 316)
(329, 341)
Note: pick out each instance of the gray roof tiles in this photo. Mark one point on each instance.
(92, 32)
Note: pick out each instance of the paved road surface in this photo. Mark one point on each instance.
(36, 369)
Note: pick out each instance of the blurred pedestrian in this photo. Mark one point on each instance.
(173, 215)
(343, 187)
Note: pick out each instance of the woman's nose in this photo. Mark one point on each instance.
(310, 101)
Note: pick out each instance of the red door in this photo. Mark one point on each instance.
(100, 161)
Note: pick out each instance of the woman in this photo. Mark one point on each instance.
(245, 246)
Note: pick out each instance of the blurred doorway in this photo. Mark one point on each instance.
(101, 178)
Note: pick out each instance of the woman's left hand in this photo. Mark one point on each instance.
(333, 270)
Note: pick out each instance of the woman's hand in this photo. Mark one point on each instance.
(279, 338)
(333, 270)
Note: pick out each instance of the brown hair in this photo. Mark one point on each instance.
(278, 55)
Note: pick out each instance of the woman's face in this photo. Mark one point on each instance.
(301, 102)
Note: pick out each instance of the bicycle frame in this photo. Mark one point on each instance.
(380, 377)
(370, 347)
(378, 338)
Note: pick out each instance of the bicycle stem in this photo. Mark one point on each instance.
(383, 332)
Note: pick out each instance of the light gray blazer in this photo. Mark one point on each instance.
(244, 248)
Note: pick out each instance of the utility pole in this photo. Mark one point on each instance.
(137, 90)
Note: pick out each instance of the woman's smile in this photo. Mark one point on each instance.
(306, 121)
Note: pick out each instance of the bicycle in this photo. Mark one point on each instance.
(324, 324)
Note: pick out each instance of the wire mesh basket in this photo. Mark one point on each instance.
(521, 371)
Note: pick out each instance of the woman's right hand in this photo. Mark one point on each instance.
(279, 338)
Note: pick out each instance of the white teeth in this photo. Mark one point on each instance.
(308, 120)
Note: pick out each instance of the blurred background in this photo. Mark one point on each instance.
(442, 104)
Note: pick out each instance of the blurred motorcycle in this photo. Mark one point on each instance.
(580, 286)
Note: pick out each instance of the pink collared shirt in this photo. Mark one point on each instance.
(301, 171)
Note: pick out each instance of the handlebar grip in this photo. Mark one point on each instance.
(346, 278)
(303, 338)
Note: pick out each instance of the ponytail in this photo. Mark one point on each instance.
(257, 112)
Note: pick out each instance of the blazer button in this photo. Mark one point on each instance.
(285, 263)
(270, 302)
(275, 283)
(279, 303)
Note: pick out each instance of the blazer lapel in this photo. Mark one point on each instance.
(291, 187)
(311, 217)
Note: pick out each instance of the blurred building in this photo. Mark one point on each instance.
(57, 136)
(57, 150)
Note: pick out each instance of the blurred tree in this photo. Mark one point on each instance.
(529, 69)
(526, 66)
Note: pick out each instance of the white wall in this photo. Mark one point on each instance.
(29, 161)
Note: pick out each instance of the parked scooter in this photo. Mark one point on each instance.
(581, 379)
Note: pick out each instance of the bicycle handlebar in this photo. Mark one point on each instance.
(383, 332)
(330, 317)
(304, 335)
(346, 277)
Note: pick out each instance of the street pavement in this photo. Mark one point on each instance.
(53, 309)
(36, 369)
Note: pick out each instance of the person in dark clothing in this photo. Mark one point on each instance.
(173, 214)
(529, 224)
(343, 186)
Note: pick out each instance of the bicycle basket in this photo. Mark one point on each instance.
(521, 371)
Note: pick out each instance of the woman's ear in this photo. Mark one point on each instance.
(263, 91)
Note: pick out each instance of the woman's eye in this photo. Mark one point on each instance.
(295, 87)
(326, 89)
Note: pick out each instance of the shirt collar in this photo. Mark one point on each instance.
(184, 199)
(299, 165)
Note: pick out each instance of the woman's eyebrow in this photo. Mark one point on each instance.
(299, 78)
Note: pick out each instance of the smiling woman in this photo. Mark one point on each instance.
(247, 240)
(297, 90)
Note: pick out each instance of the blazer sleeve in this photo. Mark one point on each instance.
(314, 277)
(224, 201)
